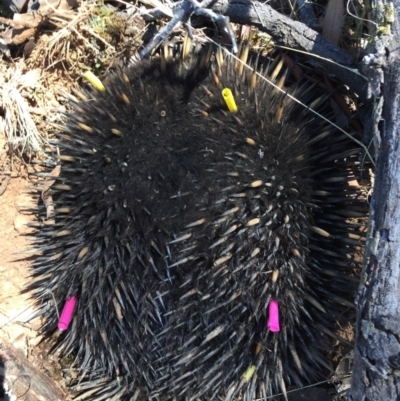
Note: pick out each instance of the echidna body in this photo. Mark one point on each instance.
(178, 224)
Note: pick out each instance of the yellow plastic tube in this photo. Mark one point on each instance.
(246, 376)
(229, 100)
(88, 75)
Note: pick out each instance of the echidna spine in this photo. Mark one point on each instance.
(209, 251)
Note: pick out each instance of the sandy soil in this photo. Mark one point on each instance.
(15, 307)
(24, 363)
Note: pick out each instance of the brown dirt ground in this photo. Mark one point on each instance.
(22, 354)
(15, 307)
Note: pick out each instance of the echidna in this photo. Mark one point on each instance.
(210, 253)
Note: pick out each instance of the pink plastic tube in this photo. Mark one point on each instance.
(273, 316)
(66, 314)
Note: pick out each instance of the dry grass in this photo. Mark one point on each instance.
(88, 38)
(17, 123)
(91, 36)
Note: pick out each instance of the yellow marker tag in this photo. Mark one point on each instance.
(229, 100)
(88, 75)
(249, 372)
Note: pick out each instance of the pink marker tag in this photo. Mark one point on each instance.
(273, 316)
(66, 314)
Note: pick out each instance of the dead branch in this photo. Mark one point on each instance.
(377, 348)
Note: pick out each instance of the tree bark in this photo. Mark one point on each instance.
(376, 370)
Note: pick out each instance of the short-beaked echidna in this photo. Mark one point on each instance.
(183, 229)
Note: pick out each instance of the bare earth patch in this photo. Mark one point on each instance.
(30, 375)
